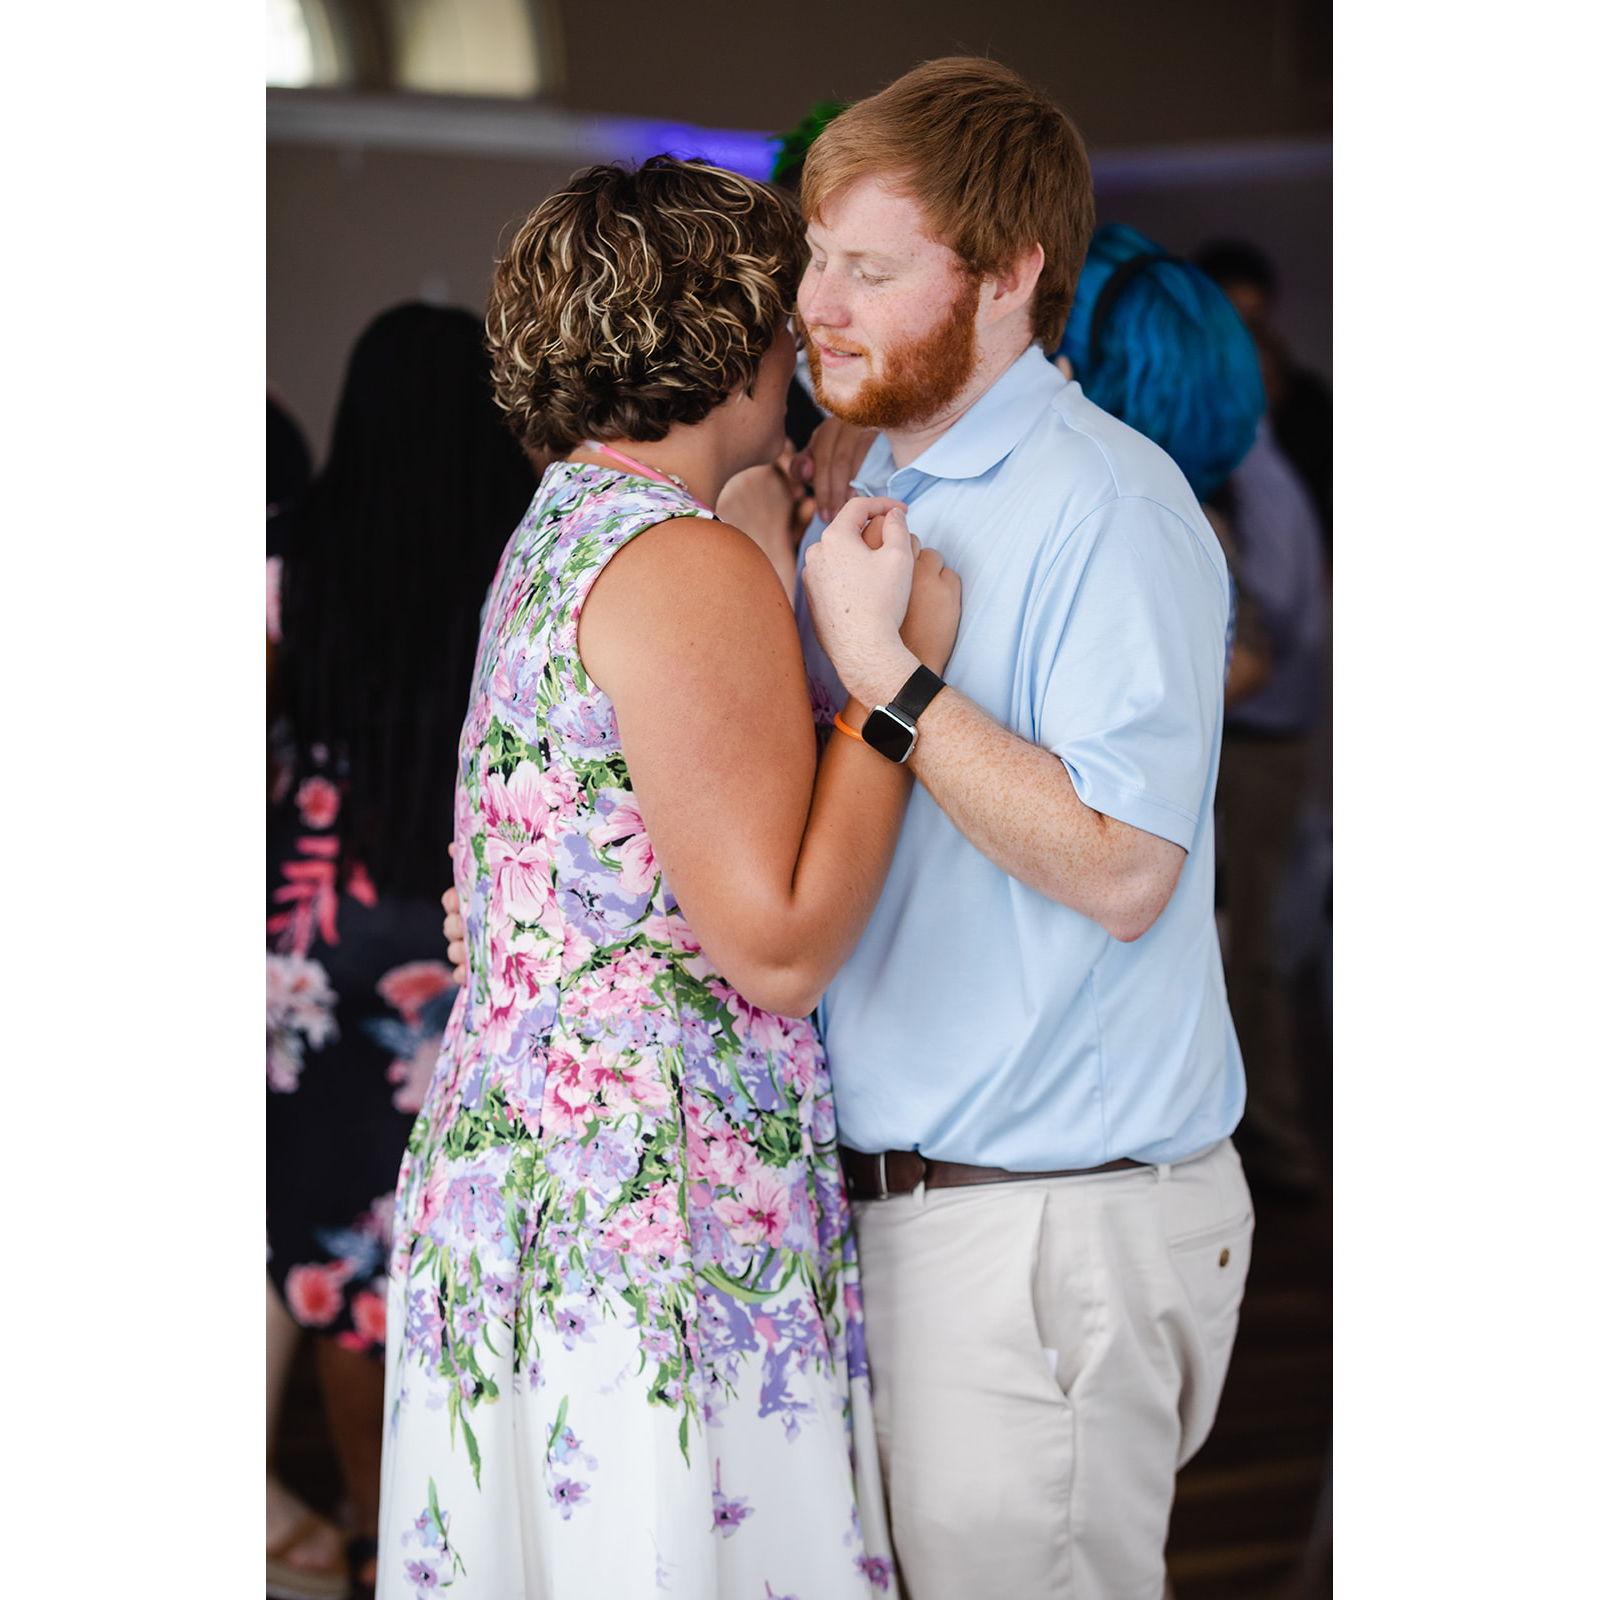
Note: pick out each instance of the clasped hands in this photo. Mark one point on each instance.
(880, 603)
(881, 606)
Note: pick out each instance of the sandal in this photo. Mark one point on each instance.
(286, 1581)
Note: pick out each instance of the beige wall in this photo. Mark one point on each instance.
(1129, 71)
(349, 233)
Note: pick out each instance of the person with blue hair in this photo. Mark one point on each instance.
(1154, 341)
(1151, 339)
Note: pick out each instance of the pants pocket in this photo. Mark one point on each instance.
(1210, 1266)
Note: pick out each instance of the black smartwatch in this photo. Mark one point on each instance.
(891, 730)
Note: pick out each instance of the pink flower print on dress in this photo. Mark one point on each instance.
(412, 1074)
(523, 806)
(673, 931)
(762, 1029)
(564, 636)
(318, 800)
(410, 986)
(720, 1157)
(311, 892)
(522, 1109)
(576, 948)
(515, 681)
(359, 886)
(300, 1012)
(758, 1212)
(622, 826)
(434, 1194)
(378, 1219)
(624, 1085)
(423, 992)
(587, 725)
(476, 728)
(560, 790)
(368, 1312)
(568, 1098)
(517, 850)
(315, 1293)
(727, 1161)
(800, 1062)
(652, 1226)
(624, 986)
(514, 807)
(522, 889)
(822, 1127)
(500, 1026)
(520, 968)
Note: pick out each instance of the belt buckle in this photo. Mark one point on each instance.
(883, 1176)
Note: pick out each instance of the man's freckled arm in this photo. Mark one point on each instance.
(1017, 804)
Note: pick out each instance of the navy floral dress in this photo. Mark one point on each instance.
(357, 999)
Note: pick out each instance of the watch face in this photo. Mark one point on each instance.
(888, 735)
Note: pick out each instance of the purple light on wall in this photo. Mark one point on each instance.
(635, 138)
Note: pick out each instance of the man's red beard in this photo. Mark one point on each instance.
(917, 381)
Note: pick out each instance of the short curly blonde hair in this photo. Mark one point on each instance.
(637, 299)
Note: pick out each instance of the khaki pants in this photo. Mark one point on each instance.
(1045, 1355)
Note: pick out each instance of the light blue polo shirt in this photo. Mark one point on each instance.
(978, 1020)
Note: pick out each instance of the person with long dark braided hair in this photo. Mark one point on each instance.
(386, 562)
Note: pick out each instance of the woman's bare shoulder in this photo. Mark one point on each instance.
(687, 582)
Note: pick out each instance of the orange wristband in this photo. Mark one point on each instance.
(844, 727)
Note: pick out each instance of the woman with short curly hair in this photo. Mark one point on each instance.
(625, 1322)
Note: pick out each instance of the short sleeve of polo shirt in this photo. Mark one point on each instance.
(1124, 651)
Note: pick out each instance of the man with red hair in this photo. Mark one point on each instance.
(1035, 1070)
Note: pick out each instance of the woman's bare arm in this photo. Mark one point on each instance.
(775, 858)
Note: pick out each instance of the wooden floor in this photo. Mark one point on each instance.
(1253, 1516)
(1246, 1505)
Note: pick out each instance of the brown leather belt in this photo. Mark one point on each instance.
(875, 1177)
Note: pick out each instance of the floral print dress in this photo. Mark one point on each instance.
(357, 999)
(625, 1349)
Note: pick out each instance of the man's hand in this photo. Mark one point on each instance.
(858, 597)
(455, 930)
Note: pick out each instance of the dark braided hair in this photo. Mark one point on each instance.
(387, 564)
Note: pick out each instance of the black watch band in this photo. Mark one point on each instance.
(917, 692)
(891, 730)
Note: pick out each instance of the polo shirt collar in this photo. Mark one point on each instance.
(986, 435)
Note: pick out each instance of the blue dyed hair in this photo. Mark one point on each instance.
(1174, 360)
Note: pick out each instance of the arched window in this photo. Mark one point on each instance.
(456, 47)
(302, 49)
